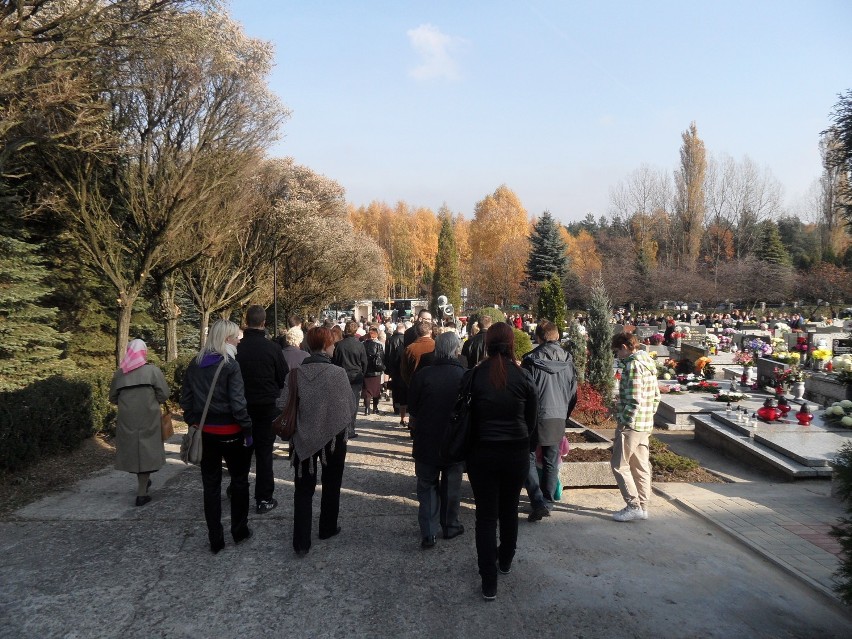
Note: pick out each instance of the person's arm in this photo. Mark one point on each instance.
(161, 388)
(531, 411)
(281, 368)
(631, 391)
(237, 399)
(414, 395)
(187, 397)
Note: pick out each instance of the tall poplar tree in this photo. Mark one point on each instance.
(599, 372)
(551, 302)
(446, 279)
(689, 198)
(547, 250)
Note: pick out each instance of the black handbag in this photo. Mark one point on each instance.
(459, 436)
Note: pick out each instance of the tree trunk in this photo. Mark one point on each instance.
(202, 328)
(125, 310)
(169, 313)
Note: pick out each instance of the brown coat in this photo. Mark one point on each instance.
(138, 439)
(416, 354)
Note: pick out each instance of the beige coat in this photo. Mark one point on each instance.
(138, 439)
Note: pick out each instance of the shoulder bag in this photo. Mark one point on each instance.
(458, 438)
(166, 426)
(285, 424)
(190, 445)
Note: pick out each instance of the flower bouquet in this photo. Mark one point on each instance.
(744, 358)
(702, 386)
(672, 389)
(792, 374)
(724, 343)
(839, 413)
(730, 396)
(657, 339)
(787, 358)
(758, 347)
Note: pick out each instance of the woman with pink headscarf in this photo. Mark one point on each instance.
(139, 388)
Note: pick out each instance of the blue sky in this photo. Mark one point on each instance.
(437, 102)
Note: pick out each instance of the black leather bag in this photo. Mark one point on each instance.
(459, 436)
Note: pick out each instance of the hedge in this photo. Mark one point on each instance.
(56, 414)
(52, 416)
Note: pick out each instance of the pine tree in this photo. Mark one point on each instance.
(771, 249)
(547, 250)
(446, 279)
(551, 302)
(599, 370)
(30, 347)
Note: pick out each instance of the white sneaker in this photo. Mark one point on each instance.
(630, 514)
(644, 513)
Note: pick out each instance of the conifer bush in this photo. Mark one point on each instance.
(599, 369)
(843, 530)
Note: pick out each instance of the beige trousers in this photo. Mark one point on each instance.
(632, 467)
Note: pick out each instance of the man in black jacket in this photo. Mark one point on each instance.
(351, 356)
(555, 377)
(473, 350)
(264, 371)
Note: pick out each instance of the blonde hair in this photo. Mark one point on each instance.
(217, 337)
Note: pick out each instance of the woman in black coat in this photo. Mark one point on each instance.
(504, 408)
(431, 398)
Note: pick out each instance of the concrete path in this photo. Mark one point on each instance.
(87, 563)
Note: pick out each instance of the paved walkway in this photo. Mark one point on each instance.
(787, 523)
(86, 563)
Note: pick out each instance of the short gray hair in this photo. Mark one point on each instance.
(447, 345)
(294, 336)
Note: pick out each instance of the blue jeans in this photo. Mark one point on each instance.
(541, 493)
(439, 492)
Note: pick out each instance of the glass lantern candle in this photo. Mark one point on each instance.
(769, 411)
(784, 406)
(804, 416)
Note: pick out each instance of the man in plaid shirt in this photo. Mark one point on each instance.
(638, 398)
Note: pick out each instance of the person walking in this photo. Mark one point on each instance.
(555, 378)
(419, 353)
(504, 408)
(138, 388)
(263, 369)
(430, 401)
(638, 398)
(226, 432)
(474, 348)
(326, 409)
(394, 348)
(350, 355)
(372, 390)
(294, 355)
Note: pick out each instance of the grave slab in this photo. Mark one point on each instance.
(717, 432)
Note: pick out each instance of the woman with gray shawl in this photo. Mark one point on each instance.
(326, 410)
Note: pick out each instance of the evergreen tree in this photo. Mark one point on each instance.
(446, 279)
(599, 370)
(551, 302)
(771, 249)
(576, 345)
(30, 347)
(547, 250)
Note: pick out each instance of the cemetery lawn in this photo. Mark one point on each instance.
(667, 466)
(53, 473)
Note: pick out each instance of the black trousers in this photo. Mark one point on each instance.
(261, 420)
(305, 486)
(238, 458)
(497, 471)
(357, 387)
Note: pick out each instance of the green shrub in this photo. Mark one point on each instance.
(496, 314)
(51, 416)
(523, 343)
(842, 466)
(174, 372)
(662, 459)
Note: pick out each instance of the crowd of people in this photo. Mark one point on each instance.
(241, 381)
